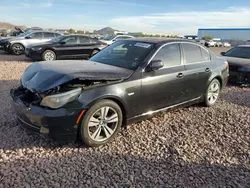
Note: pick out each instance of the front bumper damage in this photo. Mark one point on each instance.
(58, 124)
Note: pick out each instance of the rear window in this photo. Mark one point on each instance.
(48, 35)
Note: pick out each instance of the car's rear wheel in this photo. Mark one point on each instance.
(212, 93)
(94, 52)
(101, 123)
(17, 49)
(49, 55)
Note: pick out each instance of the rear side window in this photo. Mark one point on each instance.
(170, 55)
(205, 54)
(48, 35)
(84, 40)
(192, 53)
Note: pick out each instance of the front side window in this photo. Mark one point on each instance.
(70, 40)
(37, 35)
(125, 54)
(192, 53)
(170, 55)
(239, 52)
(57, 34)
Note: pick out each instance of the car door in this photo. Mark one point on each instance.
(198, 67)
(86, 46)
(166, 86)
(34, 38)
(67, 47)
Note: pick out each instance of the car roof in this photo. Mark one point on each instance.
(156, 40)
(245, 46)
(78, 35)
(123, 35)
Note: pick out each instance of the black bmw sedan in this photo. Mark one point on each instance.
(125, 82)
(239, 64)
(65, 47)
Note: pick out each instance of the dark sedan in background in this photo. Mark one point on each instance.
(239, 64)
(124, 82)
(65, 47)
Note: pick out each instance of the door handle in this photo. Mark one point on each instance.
(207, 70)
(180, 75)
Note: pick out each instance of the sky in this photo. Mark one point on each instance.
(152, 16)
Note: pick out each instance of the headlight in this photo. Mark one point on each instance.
(244, 69)
(36, 48)
(59, 100)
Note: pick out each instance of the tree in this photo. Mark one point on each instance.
(71, 31)
(207, 38)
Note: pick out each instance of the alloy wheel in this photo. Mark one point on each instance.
(17, 49)
(49, 56)
(213, 92)
(103, 124)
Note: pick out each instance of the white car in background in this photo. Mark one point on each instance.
(226, 44)
(211, 43)
(111, 39)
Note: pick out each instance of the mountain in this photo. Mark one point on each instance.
(105, 31)
(5, 25)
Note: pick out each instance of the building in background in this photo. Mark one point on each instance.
(226, 34)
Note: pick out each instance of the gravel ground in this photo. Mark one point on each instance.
(188, 147)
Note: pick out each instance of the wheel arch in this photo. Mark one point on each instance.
(11, 44)
(51, 49)
(219, 78)
(117, 101)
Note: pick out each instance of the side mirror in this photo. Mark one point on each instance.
(62, 42)
(28, 37)
(222, 53)
(154, 65)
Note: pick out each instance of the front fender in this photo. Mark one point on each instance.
(89, 97)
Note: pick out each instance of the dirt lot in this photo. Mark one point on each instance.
(188, 147)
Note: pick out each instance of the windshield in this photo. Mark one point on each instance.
(24, 34)
(109, 37)
(125, 54)
(57, 39)
(240, 52)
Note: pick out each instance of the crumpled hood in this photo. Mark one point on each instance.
(239, 62)
(42, 76)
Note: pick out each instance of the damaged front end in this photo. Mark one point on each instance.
(48, 99)
(54, 112)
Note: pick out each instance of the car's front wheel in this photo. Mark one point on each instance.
(101, 123)
(212, 93)
(49, 55)
(17, 49)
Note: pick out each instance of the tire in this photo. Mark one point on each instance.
(49, 55)
(94, 52)
(212, 93)
(17, 49)
(98, 132)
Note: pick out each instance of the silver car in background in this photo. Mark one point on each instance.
(17, 45)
